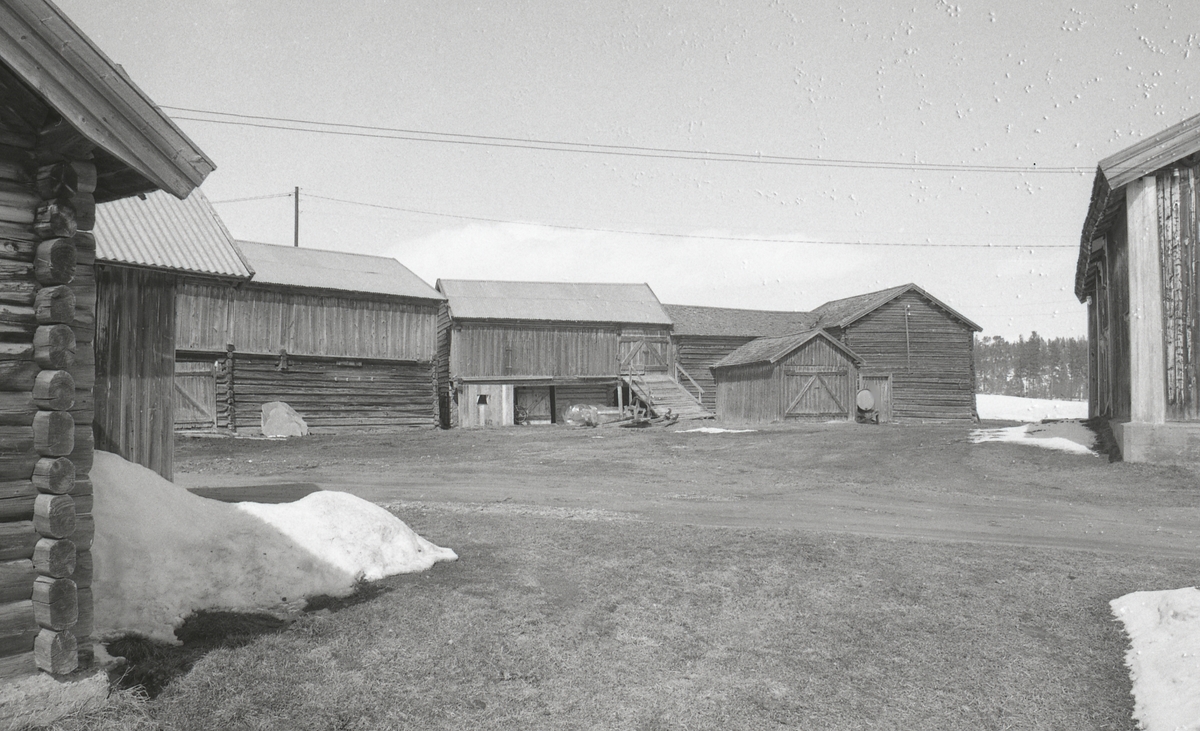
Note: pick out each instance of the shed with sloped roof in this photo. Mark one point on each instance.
(536, 348)
(146, 247)
(1139, 273)
(348, 340)
(702, 336)
(805, 376)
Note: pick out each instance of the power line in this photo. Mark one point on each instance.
(667, 153)
(743, 239)
(254, 198)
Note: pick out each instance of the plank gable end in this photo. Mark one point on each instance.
(928, 351)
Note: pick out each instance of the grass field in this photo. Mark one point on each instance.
(573, 613)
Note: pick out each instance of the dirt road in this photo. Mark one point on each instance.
(925, 482)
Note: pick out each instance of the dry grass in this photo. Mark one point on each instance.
(560, 624)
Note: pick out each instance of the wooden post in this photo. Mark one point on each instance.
(1146, 365)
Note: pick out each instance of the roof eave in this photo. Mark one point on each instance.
(1102, 195)
(93, 94)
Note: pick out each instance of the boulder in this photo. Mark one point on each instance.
(281, 420)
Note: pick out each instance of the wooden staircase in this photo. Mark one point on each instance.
(660, 392)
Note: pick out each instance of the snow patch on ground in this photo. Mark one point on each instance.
(994, 407)
(162, 553)
(1037, 435)
(716, 430)
(1163, 657)
(352, 534)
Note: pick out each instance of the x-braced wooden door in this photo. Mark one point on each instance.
(817, 392)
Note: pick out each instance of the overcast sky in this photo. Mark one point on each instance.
(1023, 85)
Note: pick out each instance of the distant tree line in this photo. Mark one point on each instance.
(1033, 367)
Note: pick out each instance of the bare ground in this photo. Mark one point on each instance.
(924, 481)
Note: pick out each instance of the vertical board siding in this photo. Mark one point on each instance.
(1178, 207)
(765, 392)
(929, 357)
(135, 366)
(482, 350)
(266, 320)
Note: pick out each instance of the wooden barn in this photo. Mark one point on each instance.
(1139, 273)
(145, 246)
(918, 354)
(347, 340)
(704, 335)
(535, 348)
(74, 131)
(807, 376)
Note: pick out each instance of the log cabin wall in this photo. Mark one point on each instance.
(696, 353)
(927, 351)
(341, 361)
(47, 315)
(135, 365)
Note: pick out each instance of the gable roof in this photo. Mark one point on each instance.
(290, 266)
(1122, 168)
(843, 312)
(160, 231)
(772, 350)
(553, 301)
(140, 148)
(730, 322)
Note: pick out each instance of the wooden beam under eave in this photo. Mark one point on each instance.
(61, 64)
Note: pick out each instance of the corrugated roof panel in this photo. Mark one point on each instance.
(163, 232)
(730, 322)
(554, 301)
(292, 266)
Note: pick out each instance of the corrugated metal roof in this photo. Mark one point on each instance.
(163, 232)
(553, 301)
(840, 313)
(730, 322)
(772, 350)
(292, 266)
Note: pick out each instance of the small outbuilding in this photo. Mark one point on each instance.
(145, 247)
(347, 340)
(530, 350)
(702, 336)
(1139, 273)
(807, 376)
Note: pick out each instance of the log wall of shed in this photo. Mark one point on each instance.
(695, 354)
(135, 366)
(263, 319)
(928, 352)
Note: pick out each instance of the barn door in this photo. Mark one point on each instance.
(533, 404)
(645, 354)
(195, 395)
(817, 392)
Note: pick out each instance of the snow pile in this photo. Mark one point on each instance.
(354, 535)
(161, 553)
(715, 430)
(1014, 408)
(1163, 657)
(1040, 435)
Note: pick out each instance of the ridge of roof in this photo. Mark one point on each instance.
(842, 312)
(701, 320)
(607, 302)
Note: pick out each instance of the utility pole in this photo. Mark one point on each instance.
(296, 225)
